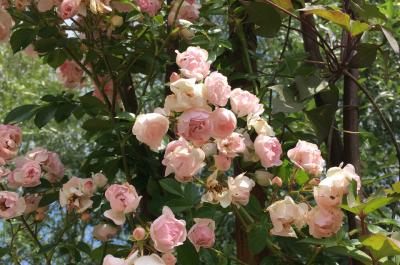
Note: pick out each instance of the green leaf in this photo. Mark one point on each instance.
(392, 41)
(44, 185)
(285, 4)
(308, 86)
(56, 58)
(45, 45)
(21, 38)
(179, 205)
(49, 198)
(285, 102)
(187, 254)
(4, 251)
(126, 116)
(21, 113)
(370, 205)
(335, 16)
(301, 177)
(365, 55)
(64, 111)
(350, 251)
(44, 115)
(357, 27)
(82, 246)
(321, 119)
(381, 246)
(257, 239)
(172, 186)
(97, 124)
(268, 21)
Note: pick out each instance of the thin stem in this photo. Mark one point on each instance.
(220, 253)
(314, 255)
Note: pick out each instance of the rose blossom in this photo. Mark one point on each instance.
(151, 7)
(3, 171)
(195, 125)
(10, 140)
(169, 259)
(69, 8)
(104, 232)
(330, 190)
(223, 123)
(73, 196)
(134, 259)
(217, 89)
(222, 162)
(202, 233)
(244, 103)
(139, 233)
(188, 11)
(99, 179)
(11, 205)
(123, 199)
(240, 188)
(183, 160)
(209, 149)
(167, 232)
(32, 202)
(50, 163)
(150, 129)
(324, 222)
(269, 150)
(308, 157)
(174, 77)
(277, 181)
(26, 174)
(260, 125)
(108, 90)
(193, 63)
(284, 214)
(186, 95)
(45, 5)
(6, 23)
(70, 74)
(231, 145)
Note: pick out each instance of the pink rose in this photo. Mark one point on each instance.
(218, 89)
(123, 199)
(202, 233)
(111, 260)
(108, 90)
(244, 103)
(195, 125)
(174, 77)
(10, 140)
(134, 259)
(183, 160)
(169, 259)
(151, 7)
(69, 8)
(308, 157)
(240, 188)
(50, 163)
(193, 63)
(150, 129)
(284, 214)
(121, 6)
(73, 196)
(70, 74)
(100, 180)
(6, 23)
(277, 181)
(3, 171)
(268, 150)
(32, 202)
(223, 123)
(139, 233)
(324, 222)
(188, 11)
(11, 205)
(231, 145)
(45, 5)
(104, 232)
(27, 174)
(167, 232)
(222, 162)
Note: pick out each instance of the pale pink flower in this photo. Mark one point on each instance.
(100, 180)
(324, 222)
(193, 63)
(269, 150)
(3, 171)
(174, 77)
(45, 5)
(308, 157)
(217, 89)
(108, 89)
(21, 4)
(121, 6)
(169, 259)
(183, 159)
(188, 11)
(26, 174)
(284, 214)
(123, 199)
(222, 162)
(32, 202)
(70, 74)
(151, 7)
(223, 123)
(30, 51)
(240, 188)
(111, 260)
(167, 232)
(195, 125)
(10, 140)
(134, 259)
(277, 181)
(6, 23)
(69, 8)
(50, 162)
(139, 233)
(260, 125)
(202, 233)
(231, 145)
(150, 129)
(11, 205)
(104, 232)
(72, 196)
(244, 103)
